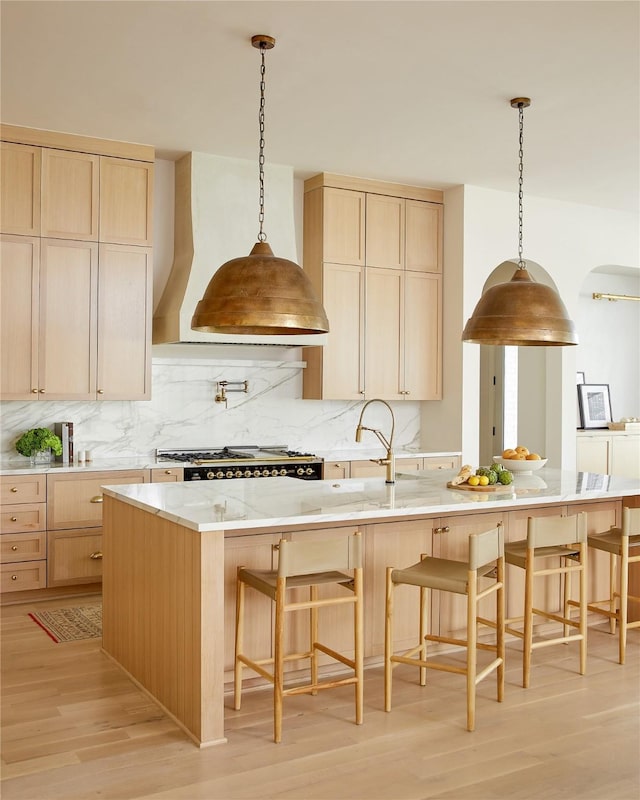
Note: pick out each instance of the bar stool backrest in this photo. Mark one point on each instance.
(485, 547)
(309, 557)
(630, 521)
(549, 531)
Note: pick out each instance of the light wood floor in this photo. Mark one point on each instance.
(74, 728)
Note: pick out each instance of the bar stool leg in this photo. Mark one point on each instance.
(422, 653)
(358, 637)
(623, 595)
(612, 591)
(583, 608)
(388, 639)
(500, 646)
(313, 636)
(528, 619)
(278, 665)
(472, 641)
(239, 644)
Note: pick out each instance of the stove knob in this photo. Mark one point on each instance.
(210, 476)
(247, 473)
(266, 472)
(300, 471)
(309, 470)
(283, 471)
(274, 472)
(238, 473)
(220, 474)
(257, 473)
(229, 474)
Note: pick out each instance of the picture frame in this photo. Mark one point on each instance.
(580, 378)
(594, 402)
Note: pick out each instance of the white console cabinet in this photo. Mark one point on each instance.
(609, 453)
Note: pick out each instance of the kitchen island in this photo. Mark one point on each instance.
(171, 553)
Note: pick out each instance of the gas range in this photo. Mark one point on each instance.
(224, 463)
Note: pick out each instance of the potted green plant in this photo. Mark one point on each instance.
(38, 443)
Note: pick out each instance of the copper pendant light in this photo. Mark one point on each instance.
(260, 294)
(521, 311)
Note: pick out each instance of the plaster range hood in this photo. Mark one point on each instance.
(216, 219)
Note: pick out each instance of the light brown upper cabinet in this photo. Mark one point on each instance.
(20, 168)
(385, 305)
(124, 322)
(70, 183)
(126, 194)
(76, 293)
(19, 316)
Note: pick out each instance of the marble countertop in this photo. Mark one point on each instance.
(273, 502)
(22, 466)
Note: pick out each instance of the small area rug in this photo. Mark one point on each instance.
(70, 624)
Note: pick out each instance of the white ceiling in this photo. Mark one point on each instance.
(414, 92)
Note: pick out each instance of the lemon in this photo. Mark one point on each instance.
(474, 480)
(484, 480)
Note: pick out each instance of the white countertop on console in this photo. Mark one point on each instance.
(273, 502)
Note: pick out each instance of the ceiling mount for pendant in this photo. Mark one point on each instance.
(260, 294)
(521, 311)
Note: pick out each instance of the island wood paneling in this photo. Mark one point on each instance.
(163, 588)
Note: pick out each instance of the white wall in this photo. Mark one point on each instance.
(480, 233)
(609, 337)
(569, 241)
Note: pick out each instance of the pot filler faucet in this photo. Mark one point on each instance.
(389, 462)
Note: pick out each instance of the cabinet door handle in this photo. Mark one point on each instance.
(444, 529)
(34, 391)
(100, 391)
(42, 391)
(14, 488)
(97, 499)
(14, 519)
(14, 547)
(96, 556)
(14, 577)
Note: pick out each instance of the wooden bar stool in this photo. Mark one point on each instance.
(563, 538)
(304, 564)
(623, 546)
(486, 564)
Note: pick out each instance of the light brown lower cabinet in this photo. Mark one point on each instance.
(369, 469)
(75, 556)
(74, 524)
(23, 538)
(339, 470)
(167, 475)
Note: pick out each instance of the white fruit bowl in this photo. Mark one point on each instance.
(519, 467)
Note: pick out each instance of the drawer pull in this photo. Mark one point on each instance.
(168, 472)
(96, 556)
(14, 547)
(97, 499)
(14, 577)
(14, 488)
(14, 519)
(445, 529)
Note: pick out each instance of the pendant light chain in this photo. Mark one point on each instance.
(521, 263)
(262, 236)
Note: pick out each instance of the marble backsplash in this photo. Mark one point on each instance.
(183, 413)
